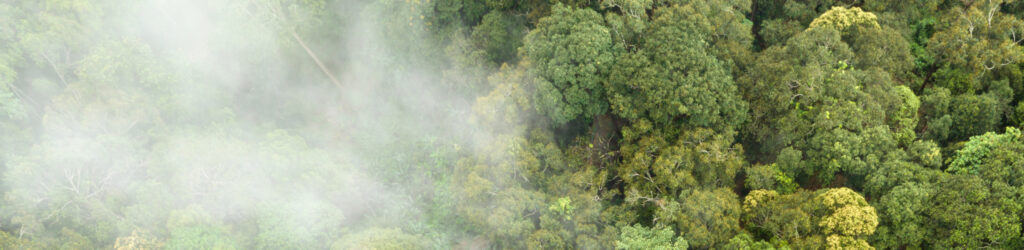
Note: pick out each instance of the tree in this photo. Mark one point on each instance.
(974, 40)
(87, 150)
(841, 19)
(832, 218)
(708, 218)
(967, 212)
(805, 96)
(994, 157)
(640, 237)
(653, 169)
(903, 222)
(779, 21)
(8, 241)
(380, 238)
(499, 34)
(974, 115)
(935, 114)
(490, 194)
(570, 53)
(770, 215)
(1019, 115)
(192, 228)
(673, 76)
(746, 242)
(848, 219)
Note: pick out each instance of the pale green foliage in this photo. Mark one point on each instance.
(850, 215)
(8, 241)
(846, 242)
(380, 239)
(761, 177)
(10, 105)
(192, 228)
(841, 18)
(563, 206)
(288, 16)
(969, 158)
(509, 104)
(638, 237)
(828, 218)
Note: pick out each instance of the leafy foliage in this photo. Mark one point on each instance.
(640, 237)
(498, 124)
(571, 51)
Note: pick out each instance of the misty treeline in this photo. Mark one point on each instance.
(502, 124)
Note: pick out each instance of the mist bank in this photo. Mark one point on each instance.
(226, 124)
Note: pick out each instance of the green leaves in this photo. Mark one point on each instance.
(833, 218)
(848, 214)
(902, 216)
(841, 18)
(499, 34)
(967, 212)
(571, 52)
(638, 237)
(563, 206)
(380, 238)
(673, 76)
(832, 119)
(707, 218)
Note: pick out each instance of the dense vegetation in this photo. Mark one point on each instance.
(531, 124)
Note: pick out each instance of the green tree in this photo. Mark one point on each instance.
(935, 113)
(673, 76)
(653, 168)
(570, 53)
(192, 228)
(968, 212)
(499, 34)
(994, 157)
(746, 242)
(708, 218)
(805, 96)
(974, 40)
(841, 19)
(380, 238)
(903, 222)
(641, 237)
(974, 115)
(827, 218)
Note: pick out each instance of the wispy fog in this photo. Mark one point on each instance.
(213, 115)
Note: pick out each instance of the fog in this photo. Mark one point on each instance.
(214, 116)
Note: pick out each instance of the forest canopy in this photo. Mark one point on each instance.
(500, 124)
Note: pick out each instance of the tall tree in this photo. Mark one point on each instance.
(570, 53)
